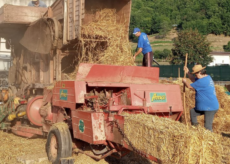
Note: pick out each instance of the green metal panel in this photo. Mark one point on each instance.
(218, 73)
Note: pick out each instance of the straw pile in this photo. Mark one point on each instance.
(13, 147)
(173, 142)
(104, 41)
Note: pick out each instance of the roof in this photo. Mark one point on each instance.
(220, 53)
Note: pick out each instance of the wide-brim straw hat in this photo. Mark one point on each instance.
(197, 68)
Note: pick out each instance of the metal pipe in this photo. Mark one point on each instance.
(96, 157)
(65, 22)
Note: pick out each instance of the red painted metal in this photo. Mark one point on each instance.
(32, 110)
(22, 101)
(64, 94)
(80, 91)
(83, 71)
(26, 131)
(123, 74)
(93, 130)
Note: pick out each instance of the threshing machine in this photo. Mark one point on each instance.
(85, 111)
(90, 110)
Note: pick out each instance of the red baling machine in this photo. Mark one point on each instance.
(88, 111)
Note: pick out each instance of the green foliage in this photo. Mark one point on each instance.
(227, 47)
(162, 54)
(193, 43)
(158, 16)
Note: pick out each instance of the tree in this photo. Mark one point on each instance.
(207, 16)
(227, 47)
(196, 45)
(165, 27)
(162, 54)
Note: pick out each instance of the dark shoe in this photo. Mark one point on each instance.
(195, 124)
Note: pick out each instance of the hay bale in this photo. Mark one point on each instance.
(174, 142)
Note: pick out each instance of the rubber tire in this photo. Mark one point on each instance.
(64, 143)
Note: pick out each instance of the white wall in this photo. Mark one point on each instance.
(4, 65)
(3, 47)
(4, 55)
(23, 2)
(220, 59)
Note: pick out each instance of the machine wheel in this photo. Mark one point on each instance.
(59, 143)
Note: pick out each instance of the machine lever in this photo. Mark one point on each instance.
(170, 111)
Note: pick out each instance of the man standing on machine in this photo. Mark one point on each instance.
(144, 47)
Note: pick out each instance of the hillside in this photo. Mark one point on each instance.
(159, 16)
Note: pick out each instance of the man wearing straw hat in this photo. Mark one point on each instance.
(144, 47)
(206, 101)
(37, 3)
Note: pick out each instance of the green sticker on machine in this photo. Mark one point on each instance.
(158, 97)
(63, 94)
(81, 126)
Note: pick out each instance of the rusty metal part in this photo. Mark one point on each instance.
(53, 146)
(26, 131)
(97, 157)
(133, 147)
(99, 152)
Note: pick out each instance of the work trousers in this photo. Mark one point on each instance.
(147, 59)
(208, 117)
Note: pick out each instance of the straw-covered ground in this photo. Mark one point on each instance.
(16, 150)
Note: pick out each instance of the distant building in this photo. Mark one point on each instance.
(4, 56)
(220, 58)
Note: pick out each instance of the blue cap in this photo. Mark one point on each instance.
(136, 30)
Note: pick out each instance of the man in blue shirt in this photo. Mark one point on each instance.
(206, 101)
(37, 3)
(144, 47)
